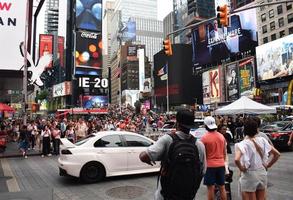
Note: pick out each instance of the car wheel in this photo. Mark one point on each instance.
(92, 172)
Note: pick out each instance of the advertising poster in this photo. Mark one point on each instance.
(246, 81)
(232, 93)
(275, 59)
(129, 32)
(61, 50)
(12, 33)
(89, 15)
(147, 85)
(130, 96)
(88, 55)
(212, 45)
(94, 101)
(206, 88)
(214, 82)
(46, 47)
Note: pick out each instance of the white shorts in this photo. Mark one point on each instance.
(250, 181)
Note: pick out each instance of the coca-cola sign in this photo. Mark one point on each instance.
(89, 35)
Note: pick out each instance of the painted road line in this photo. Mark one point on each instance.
(12, 184)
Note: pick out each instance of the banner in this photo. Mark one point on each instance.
(12, 33)
(61, 50)
(246, 81)
(214, 82)
(94, 101)
(88, 55)
(232, 92)
(89, 15)
(62, 89)
(129, 32)
(275, 59)
(206, 87)
(46, 47)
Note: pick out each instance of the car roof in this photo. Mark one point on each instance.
(104, 133)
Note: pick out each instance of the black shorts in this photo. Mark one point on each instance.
(214, 175)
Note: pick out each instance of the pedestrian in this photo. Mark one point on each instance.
(182, 160)
(23, 140)
(251, 157)
(70, 133)
(223, 130)
(46, 135)
(215, 145)
(290, 139)
(56, 135)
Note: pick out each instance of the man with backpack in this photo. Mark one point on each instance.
(182, 159)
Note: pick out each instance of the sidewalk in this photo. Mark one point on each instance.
(13, 151)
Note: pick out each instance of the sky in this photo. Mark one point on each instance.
(164, 8)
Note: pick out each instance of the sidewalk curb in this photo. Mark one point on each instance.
(19, 155)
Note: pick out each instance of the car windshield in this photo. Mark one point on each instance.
(84, 140)
(275, 126)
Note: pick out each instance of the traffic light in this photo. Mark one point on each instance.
(222, 16)
(168, 47)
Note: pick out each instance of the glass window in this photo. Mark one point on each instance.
(281, 22)
(264, 29)
(282, 34)
(290, 18)
(291, 30)
(272, 25)
(262, 7)
(273, 37)
(263, 17)
(137, 141)
(265, 40)
(109, 141)
(271, 13)
(279, 9)
(289, 6)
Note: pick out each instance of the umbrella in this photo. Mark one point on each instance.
(5, 107)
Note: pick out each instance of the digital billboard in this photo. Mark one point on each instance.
(88, 55)
(232, 92)
(12, 33)
(275, 59)
(89, 15)
(46, 47)
(206, 87)
(212, 45)
(246, 80)
(94, 101)
(211, 86)
(61, 50)
(129, 32)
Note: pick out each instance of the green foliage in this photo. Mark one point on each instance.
(43, 94)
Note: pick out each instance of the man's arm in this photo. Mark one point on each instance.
(144, 157)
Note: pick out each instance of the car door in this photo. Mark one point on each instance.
(110, 151)
(135, 145)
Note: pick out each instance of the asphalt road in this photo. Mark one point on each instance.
(37, 178)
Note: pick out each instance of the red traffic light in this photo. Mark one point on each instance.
(168, 47)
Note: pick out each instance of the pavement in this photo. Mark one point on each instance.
(12, 150)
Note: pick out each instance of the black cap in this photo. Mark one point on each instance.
(185, 118)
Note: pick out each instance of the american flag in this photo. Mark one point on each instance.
(162, 71)
(117, 72)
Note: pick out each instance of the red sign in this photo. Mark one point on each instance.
(46, 47)
(61, 50)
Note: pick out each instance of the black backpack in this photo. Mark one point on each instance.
(181, 173)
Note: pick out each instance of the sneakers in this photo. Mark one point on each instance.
(49, 154)
(43, 156)
(25, 156)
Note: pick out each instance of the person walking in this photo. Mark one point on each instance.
(182, 161)
(23, 140)
(46, 135)
(56, 135)
(70, 133)
(251, 158)
(215, 145)
(223, 130)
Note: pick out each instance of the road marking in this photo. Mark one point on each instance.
(12, 184)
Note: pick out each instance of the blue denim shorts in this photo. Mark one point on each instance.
(214, 175)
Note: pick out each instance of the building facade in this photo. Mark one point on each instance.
(51, 16)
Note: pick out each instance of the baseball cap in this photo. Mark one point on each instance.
(185, 118)
(210, 122)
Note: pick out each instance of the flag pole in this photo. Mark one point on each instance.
(167, 82)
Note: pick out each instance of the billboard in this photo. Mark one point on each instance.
(129, 32)
(62, 89)
(275, 59)
(88, 55)
(211, 86)
(94, 101)
(12, 33)
(130, 96)
(232, 92)
(212, 45)
(46, 47)
(61, 50)
(206, 87)
(246, 80)
(89, 15)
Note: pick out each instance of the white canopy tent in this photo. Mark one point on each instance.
(245, 105)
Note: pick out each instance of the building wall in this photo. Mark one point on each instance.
(168, 25)
(50, 4)
(274, 21)
(115, 79)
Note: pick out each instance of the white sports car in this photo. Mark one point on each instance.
(104, 154)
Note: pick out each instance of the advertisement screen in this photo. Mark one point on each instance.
(61, 50)
(12, 33)
(206, 87)
(212, 45)
(94, 101)
(89, 15)
(232, 82)
(46, 47)
(274, 59)
(88, 55)
(246, 81)
(129, 33)
(211, 86)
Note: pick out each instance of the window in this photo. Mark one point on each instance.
(109, 141)
(282, 34)
(262, 7)
(273, 37)
(272, 25)
(289, 6)
(271, 13)
(291, 30)
(137, 141)
(281, 22)
(265, 40)
(263, 17)
(290, 18)
(264, 29)
(279, 9)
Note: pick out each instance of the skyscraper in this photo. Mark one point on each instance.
(51, 16)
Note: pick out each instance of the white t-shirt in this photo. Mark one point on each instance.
(250, 157)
